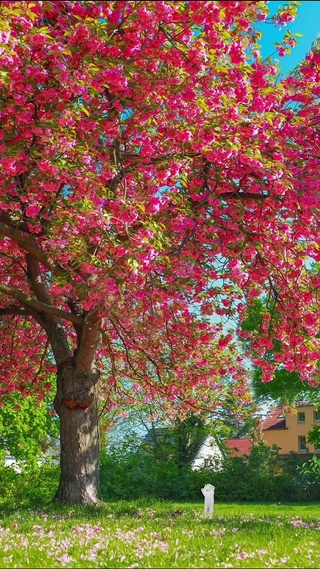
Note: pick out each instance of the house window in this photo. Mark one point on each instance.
(302, 444)
(301, 417)
(316, 416)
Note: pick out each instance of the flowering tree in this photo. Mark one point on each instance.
(286, 386)
(154, 173)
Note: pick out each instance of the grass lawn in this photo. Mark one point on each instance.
(154, 533)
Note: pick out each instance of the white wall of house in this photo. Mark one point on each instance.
(209, 455)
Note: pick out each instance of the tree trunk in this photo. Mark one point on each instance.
(76, 403)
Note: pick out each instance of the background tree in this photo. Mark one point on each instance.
(286, 386)
(27, 429)
(153, 173)
(178, 442)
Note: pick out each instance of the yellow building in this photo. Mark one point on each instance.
(289, 431)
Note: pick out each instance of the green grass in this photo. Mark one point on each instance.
(153, 533)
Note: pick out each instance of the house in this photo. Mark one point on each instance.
(289, 430)
(284, 428)
(209, 454)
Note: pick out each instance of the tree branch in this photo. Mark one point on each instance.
(85, 358)
(35, 280)
(41, 307)
(28, 244)
(244, 196)
(13, 310)
(14, 222)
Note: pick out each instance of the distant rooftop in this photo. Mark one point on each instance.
(276, 421)
(238, 447)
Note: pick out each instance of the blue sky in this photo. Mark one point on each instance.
(307, 23)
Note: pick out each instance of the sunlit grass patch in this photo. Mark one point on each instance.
(151, 533)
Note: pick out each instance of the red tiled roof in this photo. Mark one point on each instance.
(274, 421)
(238, 447)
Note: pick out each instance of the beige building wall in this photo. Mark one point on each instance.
(288, 439)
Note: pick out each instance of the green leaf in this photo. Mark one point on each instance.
(86, 112)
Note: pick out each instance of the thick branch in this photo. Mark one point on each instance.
(35, 280)
(243, 196)
(40, 306)
(164, 158)
(14, 222)
(13, 311)
(76, 308)
(86, 356)
(28, 244)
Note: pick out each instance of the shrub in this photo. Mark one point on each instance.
(261, 476)
(31, 487)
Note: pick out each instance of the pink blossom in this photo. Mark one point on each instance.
(242, 555)
(32, 210)
(310, 318)
(9, 165)
(64, 559)
(261, 16)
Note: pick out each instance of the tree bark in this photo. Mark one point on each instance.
(76, 403)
